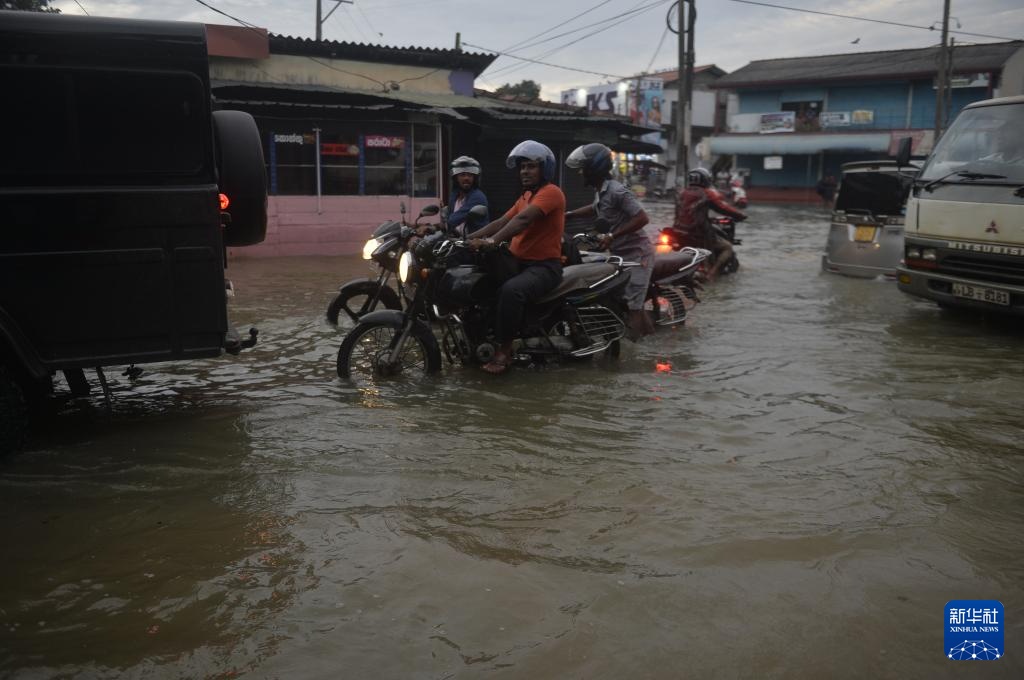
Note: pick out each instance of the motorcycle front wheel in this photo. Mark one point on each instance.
(365, 354)
(360, 297)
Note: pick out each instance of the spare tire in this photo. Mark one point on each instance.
(242, 176)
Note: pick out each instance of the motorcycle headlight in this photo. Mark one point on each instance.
(370, 246)
(405, 266)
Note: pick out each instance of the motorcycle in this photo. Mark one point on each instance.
(737, 194)
(670, 238)
(385, 248)
(581, 317)
(672, 290)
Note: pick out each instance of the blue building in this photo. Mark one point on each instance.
(792, 121)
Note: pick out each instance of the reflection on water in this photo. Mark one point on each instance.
(798, 476)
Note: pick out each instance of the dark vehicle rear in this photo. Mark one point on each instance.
(865, 237)
(114, 228)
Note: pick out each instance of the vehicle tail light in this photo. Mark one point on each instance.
(224, 201)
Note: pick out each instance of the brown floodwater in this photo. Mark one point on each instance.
(790, 486)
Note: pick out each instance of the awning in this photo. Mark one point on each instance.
(791, 143)
(627, 145)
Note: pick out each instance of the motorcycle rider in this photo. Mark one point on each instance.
(617, 205)
(466, 193)
(535, 224)
(692, 205)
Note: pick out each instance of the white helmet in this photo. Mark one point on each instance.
(465, 164)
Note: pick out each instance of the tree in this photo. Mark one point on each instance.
(525, 88)
(29, 5)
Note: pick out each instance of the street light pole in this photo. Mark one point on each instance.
(941, 80)
(685, 87)
(320, 21)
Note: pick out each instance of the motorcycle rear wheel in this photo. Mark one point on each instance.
(357, 298)
(362, 358)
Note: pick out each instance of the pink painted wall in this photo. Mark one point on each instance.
(341, 228)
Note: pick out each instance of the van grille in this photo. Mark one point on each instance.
(983, 269)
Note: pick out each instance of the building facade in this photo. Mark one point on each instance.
(799, 119)
(353, 132)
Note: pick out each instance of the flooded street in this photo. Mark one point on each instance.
(790, 486)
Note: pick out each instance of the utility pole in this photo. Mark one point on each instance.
(320, 22)
(685, 87)
(942, 76)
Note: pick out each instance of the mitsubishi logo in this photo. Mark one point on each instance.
(992, 228)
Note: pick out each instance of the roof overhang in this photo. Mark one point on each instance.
(783, 144)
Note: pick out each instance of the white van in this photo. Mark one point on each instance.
(964, 232)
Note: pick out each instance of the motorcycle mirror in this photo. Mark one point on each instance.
(429, 210)
(476, 213)
(401, 208)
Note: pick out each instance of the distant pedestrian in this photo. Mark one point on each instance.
(826, 188)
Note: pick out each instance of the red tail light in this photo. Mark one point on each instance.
(224, 201)
(664, 240)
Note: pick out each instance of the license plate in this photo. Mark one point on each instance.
(996, 297)
(864, 233)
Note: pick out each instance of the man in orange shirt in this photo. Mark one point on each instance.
(535, 224)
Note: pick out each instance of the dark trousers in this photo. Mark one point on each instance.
(533, 280)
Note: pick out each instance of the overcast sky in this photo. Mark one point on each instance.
(729, 33)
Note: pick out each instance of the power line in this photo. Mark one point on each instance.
(543, 63)
(873, 21)
(657, 49)
(81, 8)
(557, 26)
(233, 18)
(636, 11)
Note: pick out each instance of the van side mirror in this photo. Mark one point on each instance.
(903, 152)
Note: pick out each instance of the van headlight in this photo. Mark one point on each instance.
(370, 246)
(405, 266)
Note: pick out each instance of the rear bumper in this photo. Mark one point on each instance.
(860, 271)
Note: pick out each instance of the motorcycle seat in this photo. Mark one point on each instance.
(666, 264)
(577, 276)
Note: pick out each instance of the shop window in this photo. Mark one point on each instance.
(355, 159)
(807, 115)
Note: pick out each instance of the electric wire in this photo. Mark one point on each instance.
(542, 63)
(636, 11)
(557, 26)
(874, 21)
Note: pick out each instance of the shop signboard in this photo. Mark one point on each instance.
(834, 118)
(773, 162)
(863, 117)
(334, 149)
(384, 142)
(783, 121)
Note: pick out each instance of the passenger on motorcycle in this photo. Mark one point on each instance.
(617, 205)
(466, 192)
(692, 205)
(535, 225)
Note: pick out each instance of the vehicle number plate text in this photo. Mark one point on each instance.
(996, 297)
(863, 233)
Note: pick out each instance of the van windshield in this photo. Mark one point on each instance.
(881, 193)
(987, 139)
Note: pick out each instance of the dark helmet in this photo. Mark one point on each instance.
(594, 159)
(534, 151)
(700, 177)
(465, 164)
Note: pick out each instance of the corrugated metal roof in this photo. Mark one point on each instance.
(411, 56)
(869, 65)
